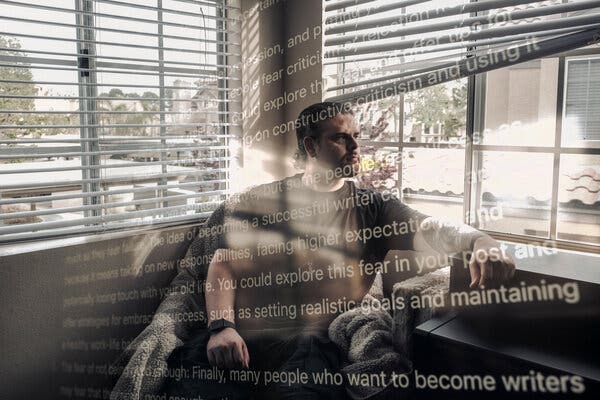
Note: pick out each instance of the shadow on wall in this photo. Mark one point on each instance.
(274, 37)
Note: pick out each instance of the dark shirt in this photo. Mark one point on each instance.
(291, 209)
(287, 228)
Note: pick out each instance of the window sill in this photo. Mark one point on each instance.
(568, 264)
(10, 249)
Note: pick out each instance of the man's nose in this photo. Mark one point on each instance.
(351, 144)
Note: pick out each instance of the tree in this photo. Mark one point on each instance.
(428, 106)
(21, 72)
(457, 116)
(20, 83)
(115, 112)
(434, 104)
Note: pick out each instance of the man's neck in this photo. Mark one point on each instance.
(317, 180)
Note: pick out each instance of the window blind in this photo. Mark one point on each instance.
(417, 44)
(582, 99)
(115, 114)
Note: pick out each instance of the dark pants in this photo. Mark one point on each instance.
(309, 353)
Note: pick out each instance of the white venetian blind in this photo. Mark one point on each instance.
(583, 99)
(387, 47)
(114, 114)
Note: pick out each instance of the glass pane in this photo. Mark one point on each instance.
(43, 124)
(579, 199)
(437, 114)
(187, 117)
(432, 107)
(520, 105)
(433, 181)
(379, 168)
(380, 120)
(581, 120)
(127, 110)
(512, 192)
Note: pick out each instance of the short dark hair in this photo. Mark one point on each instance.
(310, 120)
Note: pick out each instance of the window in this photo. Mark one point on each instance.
(536, 158)
(115, 113)
(582, 99)
(527, 165)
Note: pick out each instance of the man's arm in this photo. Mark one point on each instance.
(488, 262)
(226, 348)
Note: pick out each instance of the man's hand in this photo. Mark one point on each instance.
(489, 264)
(227, 349)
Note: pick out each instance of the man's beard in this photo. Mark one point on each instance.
(343, 169)
(349, 169)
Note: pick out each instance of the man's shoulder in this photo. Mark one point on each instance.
(378, 197)
(371, 203)
(271, 189)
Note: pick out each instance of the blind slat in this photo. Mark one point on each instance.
(368, 11)
(43, 199)
(470, 36)
(11, 229)
(179, 162)
(345, 3)
(425, 15)
(113, 30)
(472, 66)
(116, 125)
(112, 16)
(10, 96)
(29, 214)
(217, 65)
(448, 64)
(218, 4)
(101, 153)
(119, 85)
(429, 64)
(110, 139)
(443, 48)
(100, 57)
(41, 112)
(112, 71)
(109, 180)
(473, 22)
(56, 230)
(171, 11)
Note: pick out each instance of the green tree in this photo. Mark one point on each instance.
(17, 80)
(116, 112)
(20, 72)
(456, 119)
(434, 105)
(428, 106)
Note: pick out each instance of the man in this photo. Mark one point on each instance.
(298, 252)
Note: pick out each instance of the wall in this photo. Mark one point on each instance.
(56, 303)
(274, 38)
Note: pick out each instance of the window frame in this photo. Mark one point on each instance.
(476, 89)
(87, 83)
(556, 151)
(476, 86)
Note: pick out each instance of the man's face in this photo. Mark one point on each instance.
(336, 147)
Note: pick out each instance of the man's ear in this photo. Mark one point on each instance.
(310, 145)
